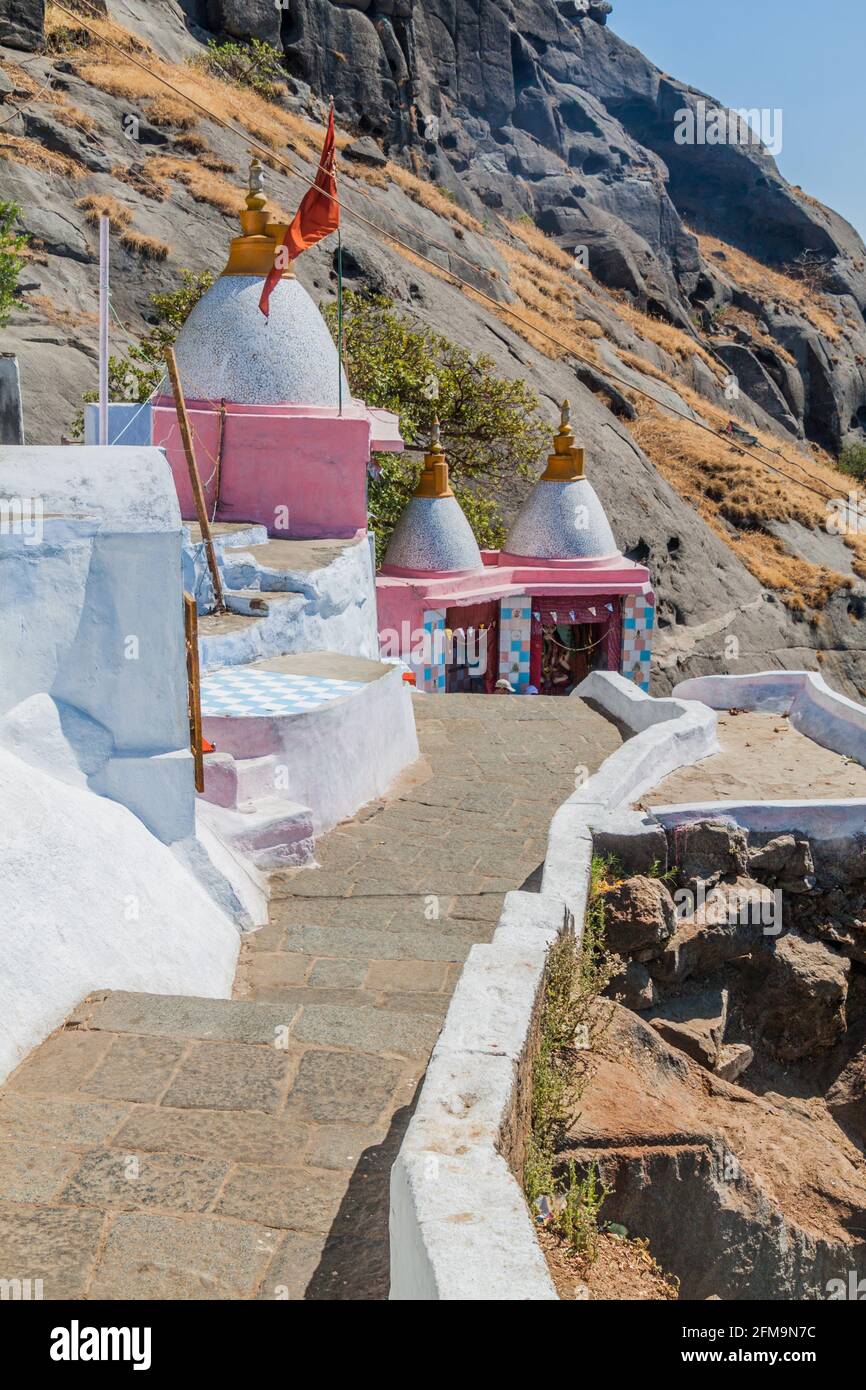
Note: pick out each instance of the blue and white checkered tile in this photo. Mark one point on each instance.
(242, 693)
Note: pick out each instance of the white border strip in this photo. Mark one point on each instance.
(814, 709)
(460, 1228)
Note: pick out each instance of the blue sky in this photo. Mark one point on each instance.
(804, 56)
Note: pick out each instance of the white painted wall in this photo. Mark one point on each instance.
(813, 707)
(92, 900)
(91, 614)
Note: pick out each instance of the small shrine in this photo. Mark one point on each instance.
(279, 438)
(559, 601)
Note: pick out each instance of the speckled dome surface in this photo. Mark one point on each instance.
(562, 521)
(433, 535)
(228, 350)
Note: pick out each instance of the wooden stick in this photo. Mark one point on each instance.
(190, 616)
(195, 480)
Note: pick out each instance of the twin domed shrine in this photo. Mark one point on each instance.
(558, 602)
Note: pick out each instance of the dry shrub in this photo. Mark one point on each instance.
(429, 195)
(20, 149)
(171, 111)
(98, 205)
(204, 184)
(144, 180)
(145, 246)
(49, 96)
(539, 242)
(191, 143)
(217, 164)
(800, 585)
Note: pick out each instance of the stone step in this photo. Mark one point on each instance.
(281, 565)
(230, 782)
(272, 832)
(230, 535)
(229, 639)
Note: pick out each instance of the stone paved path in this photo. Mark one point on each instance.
(160, 1147)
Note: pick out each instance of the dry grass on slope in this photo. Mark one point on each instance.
(43, 92)
(738, 497)
(20, 149)
(98, 205)
(767, 284)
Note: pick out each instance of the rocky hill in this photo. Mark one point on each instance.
(670, 289)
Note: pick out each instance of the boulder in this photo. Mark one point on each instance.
(365, 151)
(245, 19)
(695, 1023)
(800, 1008)
(707, 850)
(732, 922)
(733, 1060)
(633, 987)
(846, 1098)
(638, 915)
(22, 24)
(785, 861)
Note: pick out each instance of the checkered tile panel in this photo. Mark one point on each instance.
(239, 692)
(638, 624)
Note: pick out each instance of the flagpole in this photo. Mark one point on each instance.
(103, 329)
(339, 291)
(340, 318)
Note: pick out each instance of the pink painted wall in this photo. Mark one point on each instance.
(302, 472)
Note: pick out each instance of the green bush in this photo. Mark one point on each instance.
(135, 375)
(852, 461)
(490, 429)
(255, 64)
(11, 258)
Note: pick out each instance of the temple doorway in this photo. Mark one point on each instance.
(471, 648)
(569, 640)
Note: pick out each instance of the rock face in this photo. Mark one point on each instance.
(22, 23)
(801, 1004)
(541, 109)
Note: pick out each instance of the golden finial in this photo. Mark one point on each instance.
(565, 464)
(256, 183)
(253, 252)
(434, 476)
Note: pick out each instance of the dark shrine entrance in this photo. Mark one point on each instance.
(472, 648)
(570, 638)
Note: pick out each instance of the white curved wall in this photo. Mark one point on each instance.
(92, 900)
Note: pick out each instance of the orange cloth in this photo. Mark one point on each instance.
(317, 217)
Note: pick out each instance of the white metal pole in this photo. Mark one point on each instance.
(103, 329)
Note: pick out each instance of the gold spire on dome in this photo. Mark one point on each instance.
(253, 252)
(434, 477)
(565, 464)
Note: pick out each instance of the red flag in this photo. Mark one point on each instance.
(318, 215)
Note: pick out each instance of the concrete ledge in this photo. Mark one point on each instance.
(814, 709)
(459, 1224)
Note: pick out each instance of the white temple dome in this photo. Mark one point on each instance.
(227, 349)
(432, 534)
(562, 521)
(562, 518)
